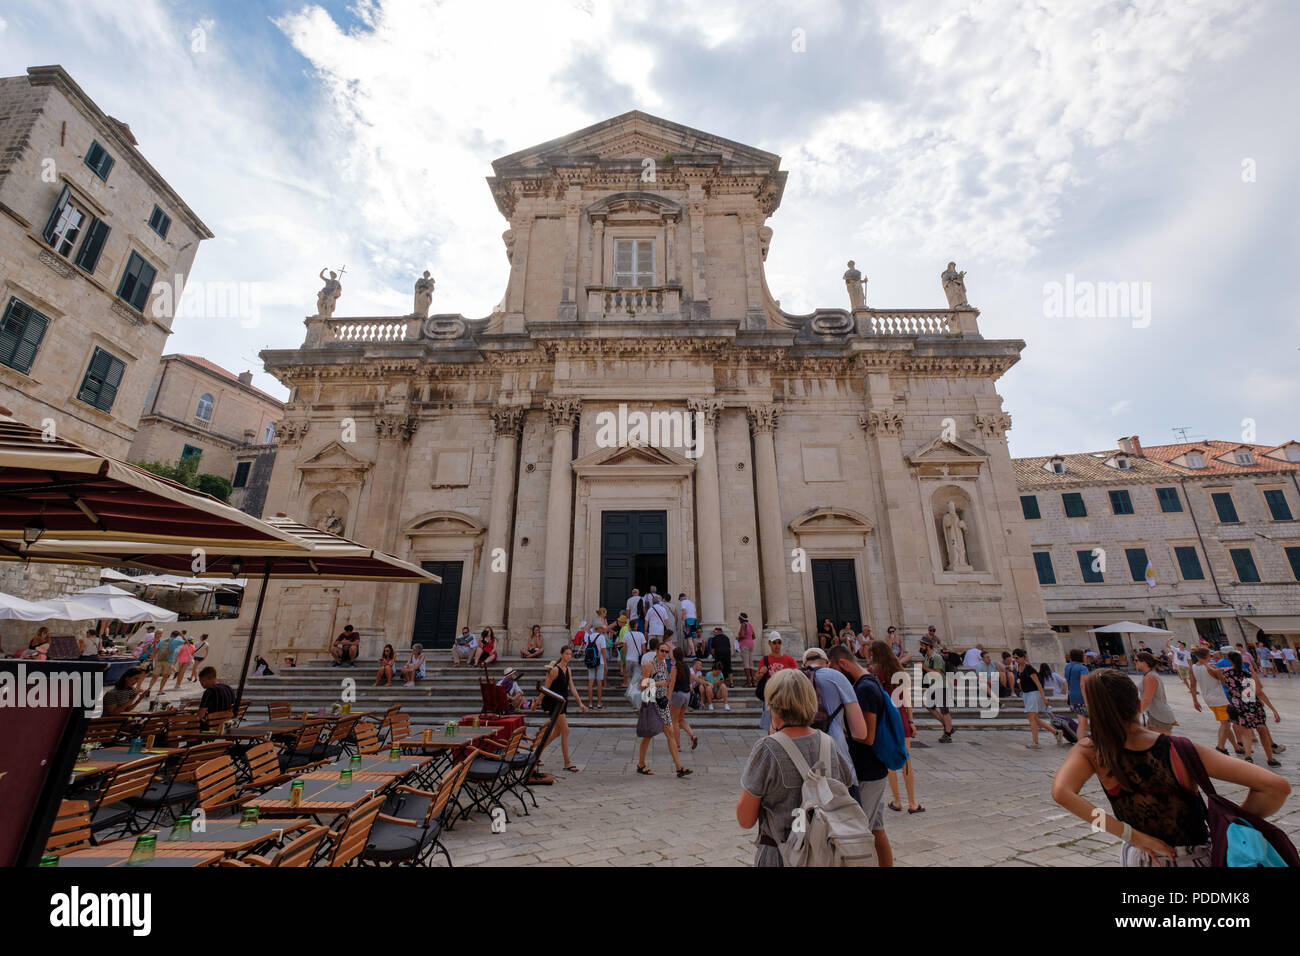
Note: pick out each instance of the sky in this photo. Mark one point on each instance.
(1117, 179)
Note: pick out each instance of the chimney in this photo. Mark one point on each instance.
(1131, 446)
(245, 378)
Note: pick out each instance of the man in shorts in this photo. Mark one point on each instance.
(932, 662)
(1075, 671)
(689, 624)
(872, 774)
(595, 647)
(1182, 660)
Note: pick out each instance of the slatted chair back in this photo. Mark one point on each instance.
(350, 839)
(512, 745)
(71, 827)
(128, 780)
(155, 725)
(243, 709)
(399, 728)
(448, 787)
(179, 725)
(217, 718)
(301, 850)
(386, 725)
(101, 730)
(263, 763)
(367, 739)
(279, 709)
(216, 784)
(191, 758)
(343, 729)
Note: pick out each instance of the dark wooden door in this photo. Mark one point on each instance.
(835, 592)
(633, 545)
(438, 608)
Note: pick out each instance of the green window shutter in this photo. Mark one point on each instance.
(137, 281)
(159, 221)
(54, 216)
(1137, 563)
(99, 387)
(1043, 564)
(1224, 506)
(99, 161)
(1169, 500)
(1244, 563)
(1189, 564)
(1277, 505)
(93, 245)
(1074, 506)
(21, 332)
(1029, 505)
(1293, 556)
(1085, 568)
(1121, 503)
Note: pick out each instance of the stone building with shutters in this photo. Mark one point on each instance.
(1217, 524)
(90, 236)
(640, 411)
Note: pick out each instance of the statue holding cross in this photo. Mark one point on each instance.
(328, 296)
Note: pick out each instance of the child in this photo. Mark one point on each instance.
(715, 688)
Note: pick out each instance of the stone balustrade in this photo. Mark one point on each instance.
(616, 301)
(356, 330)
(920, 322)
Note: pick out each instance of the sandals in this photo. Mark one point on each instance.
(641, 768)
(684, 771)
(572, 768)
(896, 809)
(917, 810)
(1222, 750)
(695, 742)
(1033, 746)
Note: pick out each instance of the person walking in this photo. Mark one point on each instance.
(932, 662)
(870, 770)
(835, 691)
(1248, 699)
(690, 623)
(1075, 671)
(556, 689)
(1031, 691)
(771, 784)
(893, 681)
(1160, 716)
(1182, 659)
(1207, 680)
(595, 656)
(201, 651)
(654, 718)
(636, 651)
(745, 641)
(1155, 805)
(633, 610)
(681, 696)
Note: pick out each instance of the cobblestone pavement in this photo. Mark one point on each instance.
(987, 802)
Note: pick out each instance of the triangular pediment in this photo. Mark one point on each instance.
(334, 455)
(636, 135)
(633, 456)
(942, 451)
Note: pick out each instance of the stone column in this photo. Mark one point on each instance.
(506, 423)
(699, 255)
(598, 250)
(570, 293)
(563, 413)
(708, 514)
(776, 602)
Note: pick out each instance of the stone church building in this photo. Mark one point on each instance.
(638, 411)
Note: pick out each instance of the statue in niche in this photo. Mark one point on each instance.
(328, 296)
(857, 287)
(954, 536)
(423, 295)
(954, 287)
(332, 522)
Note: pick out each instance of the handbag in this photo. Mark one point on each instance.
(762, 682)
(648, 722)
(1237, 837)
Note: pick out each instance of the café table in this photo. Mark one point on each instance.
(117, 853)
(324, 798)
(445, 747)
(106, 758)
(230, 838)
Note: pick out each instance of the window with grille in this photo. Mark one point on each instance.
(634, 262)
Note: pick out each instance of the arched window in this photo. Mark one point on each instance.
(204, 411)
(268, 436)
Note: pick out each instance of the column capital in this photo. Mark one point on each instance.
(993, 425)
(507, 419)
(882, 422)
(710, 408)
(397, 426)
(563, 412)
(763, 417)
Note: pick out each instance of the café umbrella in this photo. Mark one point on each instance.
(14, 608)
(1130, 628)
(119, 605)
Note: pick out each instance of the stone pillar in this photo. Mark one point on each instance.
(776, 602)
(506, 422)
(598, 250)
(563, 413)
(567, 310)
(755, 315)
(708, 515)
(700, 306)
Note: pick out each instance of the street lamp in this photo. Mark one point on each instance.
(33, 531)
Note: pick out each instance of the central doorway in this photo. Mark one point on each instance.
(633, 554)
(835, 591)
(438, 606)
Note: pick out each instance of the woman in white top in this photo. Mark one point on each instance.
(1208, 679)
(414, 668)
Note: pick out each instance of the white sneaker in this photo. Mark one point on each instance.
(710, 706)
(726, 707)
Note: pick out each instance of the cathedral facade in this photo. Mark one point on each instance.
(639, 411)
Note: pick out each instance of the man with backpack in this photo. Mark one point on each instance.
(595, 655)
(837, 705)
(162, 661)
(873, 751)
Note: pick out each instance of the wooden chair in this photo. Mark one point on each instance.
(297, 853)
(486, 778)
(243, 709)
(262, 767)
(366, 738)
(217, 787)
(385, 725)
(71, 829)
(524, 763)
(399, 729)
(180, 727)
(350, 840)
(279, 709)
(110, 806)
(179, 792)
(340, 739)
(102, 730)
(410, 832)
(300, 748)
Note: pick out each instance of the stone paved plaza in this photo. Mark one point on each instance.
(987, 802)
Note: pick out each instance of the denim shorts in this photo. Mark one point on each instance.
(680, 698)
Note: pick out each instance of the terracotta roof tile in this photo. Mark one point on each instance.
(1156, 463)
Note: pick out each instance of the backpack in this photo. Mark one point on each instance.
(591, 656)
(164, 650)
(830, 827)
(823, 719)
(1237, 837)
(889, 746)
(762, 682)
